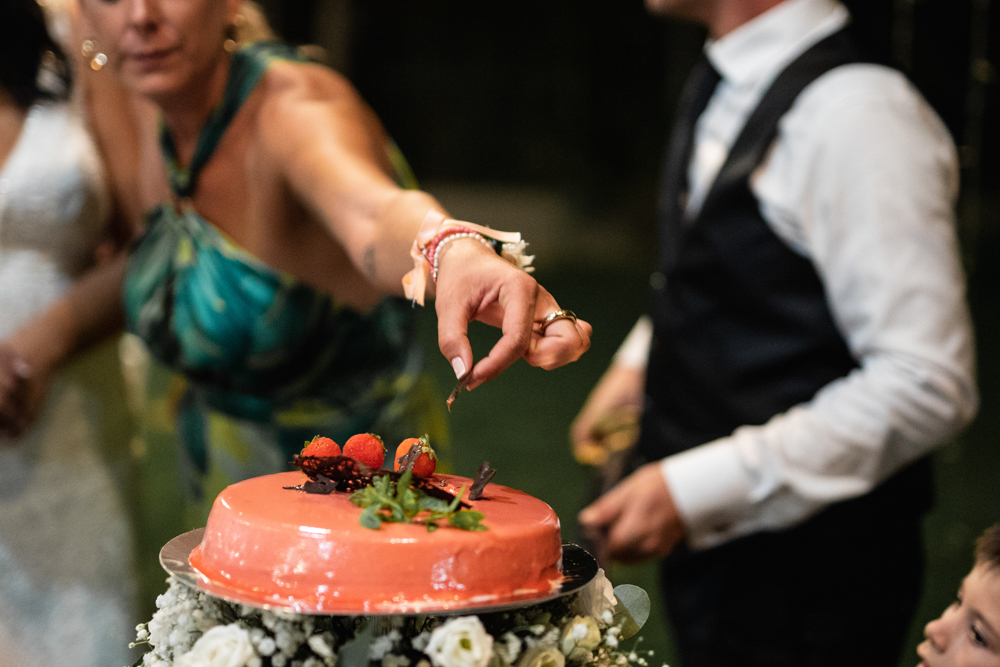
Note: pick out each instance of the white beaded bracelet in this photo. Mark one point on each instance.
(453, 237)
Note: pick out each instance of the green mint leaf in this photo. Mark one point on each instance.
(370, 518)
(404, 480)
(467, 520)
(458, 498)
(432, 504)
(401, 503)
(410, 502)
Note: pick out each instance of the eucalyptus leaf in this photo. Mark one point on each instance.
(632, 610)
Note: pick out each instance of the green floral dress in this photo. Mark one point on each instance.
(258, 361)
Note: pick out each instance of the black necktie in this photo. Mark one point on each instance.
(698, 91)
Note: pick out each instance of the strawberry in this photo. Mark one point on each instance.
(426, 462)
(320, 446)
(366, 448)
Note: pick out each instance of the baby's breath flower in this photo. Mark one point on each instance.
(380, 647)
(320, 647)
(544, 635)
(508, 647)
(267, 647)
(420, 643)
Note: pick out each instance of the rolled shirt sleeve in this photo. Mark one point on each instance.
(862, 179)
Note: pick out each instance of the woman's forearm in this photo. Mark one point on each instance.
(89, 312)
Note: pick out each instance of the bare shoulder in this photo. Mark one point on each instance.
(289, 81)
(304, 103)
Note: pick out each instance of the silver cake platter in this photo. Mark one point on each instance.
(578, 567)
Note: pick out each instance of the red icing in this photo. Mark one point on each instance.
(271, 546)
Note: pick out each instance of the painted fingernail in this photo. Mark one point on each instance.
(459, 367)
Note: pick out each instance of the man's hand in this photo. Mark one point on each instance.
(475, 284)
(637, 520)
(608, 421)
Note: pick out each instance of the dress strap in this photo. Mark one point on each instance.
(247, 67)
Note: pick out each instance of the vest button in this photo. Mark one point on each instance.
(658, 281)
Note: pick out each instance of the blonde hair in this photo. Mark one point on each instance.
(251, 24)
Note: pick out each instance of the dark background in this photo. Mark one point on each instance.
(550, 117)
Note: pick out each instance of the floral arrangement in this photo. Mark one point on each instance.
(587, 628)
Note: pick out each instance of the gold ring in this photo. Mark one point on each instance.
(552, 317)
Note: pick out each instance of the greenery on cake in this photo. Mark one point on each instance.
(400, 502)
(594, 627)
(403, 495)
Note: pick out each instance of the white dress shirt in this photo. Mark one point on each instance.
(862, 180)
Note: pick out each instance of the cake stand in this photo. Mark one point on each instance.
(578, 566)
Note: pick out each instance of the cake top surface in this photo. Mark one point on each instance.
(269, 545)
(266, 500)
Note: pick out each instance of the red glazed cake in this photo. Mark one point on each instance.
(271, 546)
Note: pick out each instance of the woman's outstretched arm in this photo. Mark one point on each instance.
(332, 149)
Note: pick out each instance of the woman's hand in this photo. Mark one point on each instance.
(22, 392)
(475, 284)
(89, 312)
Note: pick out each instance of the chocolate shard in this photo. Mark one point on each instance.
(409, 459)
(483, 477)
(343, 471)
(462, 384)
(321, 485)
(347, 475)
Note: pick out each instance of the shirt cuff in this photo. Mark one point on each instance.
(711, 489)
(634, 351)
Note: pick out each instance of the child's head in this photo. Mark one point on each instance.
(968, 632)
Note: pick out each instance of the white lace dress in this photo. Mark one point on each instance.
(66, 584)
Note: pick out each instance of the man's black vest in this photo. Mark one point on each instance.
(742, 328)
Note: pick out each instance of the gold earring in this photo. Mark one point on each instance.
(232, 34)
(89, 50)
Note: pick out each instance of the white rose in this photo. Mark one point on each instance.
(221, 646)
(542, 657)
(595, 598)
(461, 642)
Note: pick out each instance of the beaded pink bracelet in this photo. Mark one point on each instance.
(430, 236)
(447, 236)
(430, 250)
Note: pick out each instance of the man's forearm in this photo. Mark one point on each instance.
(856, 433)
